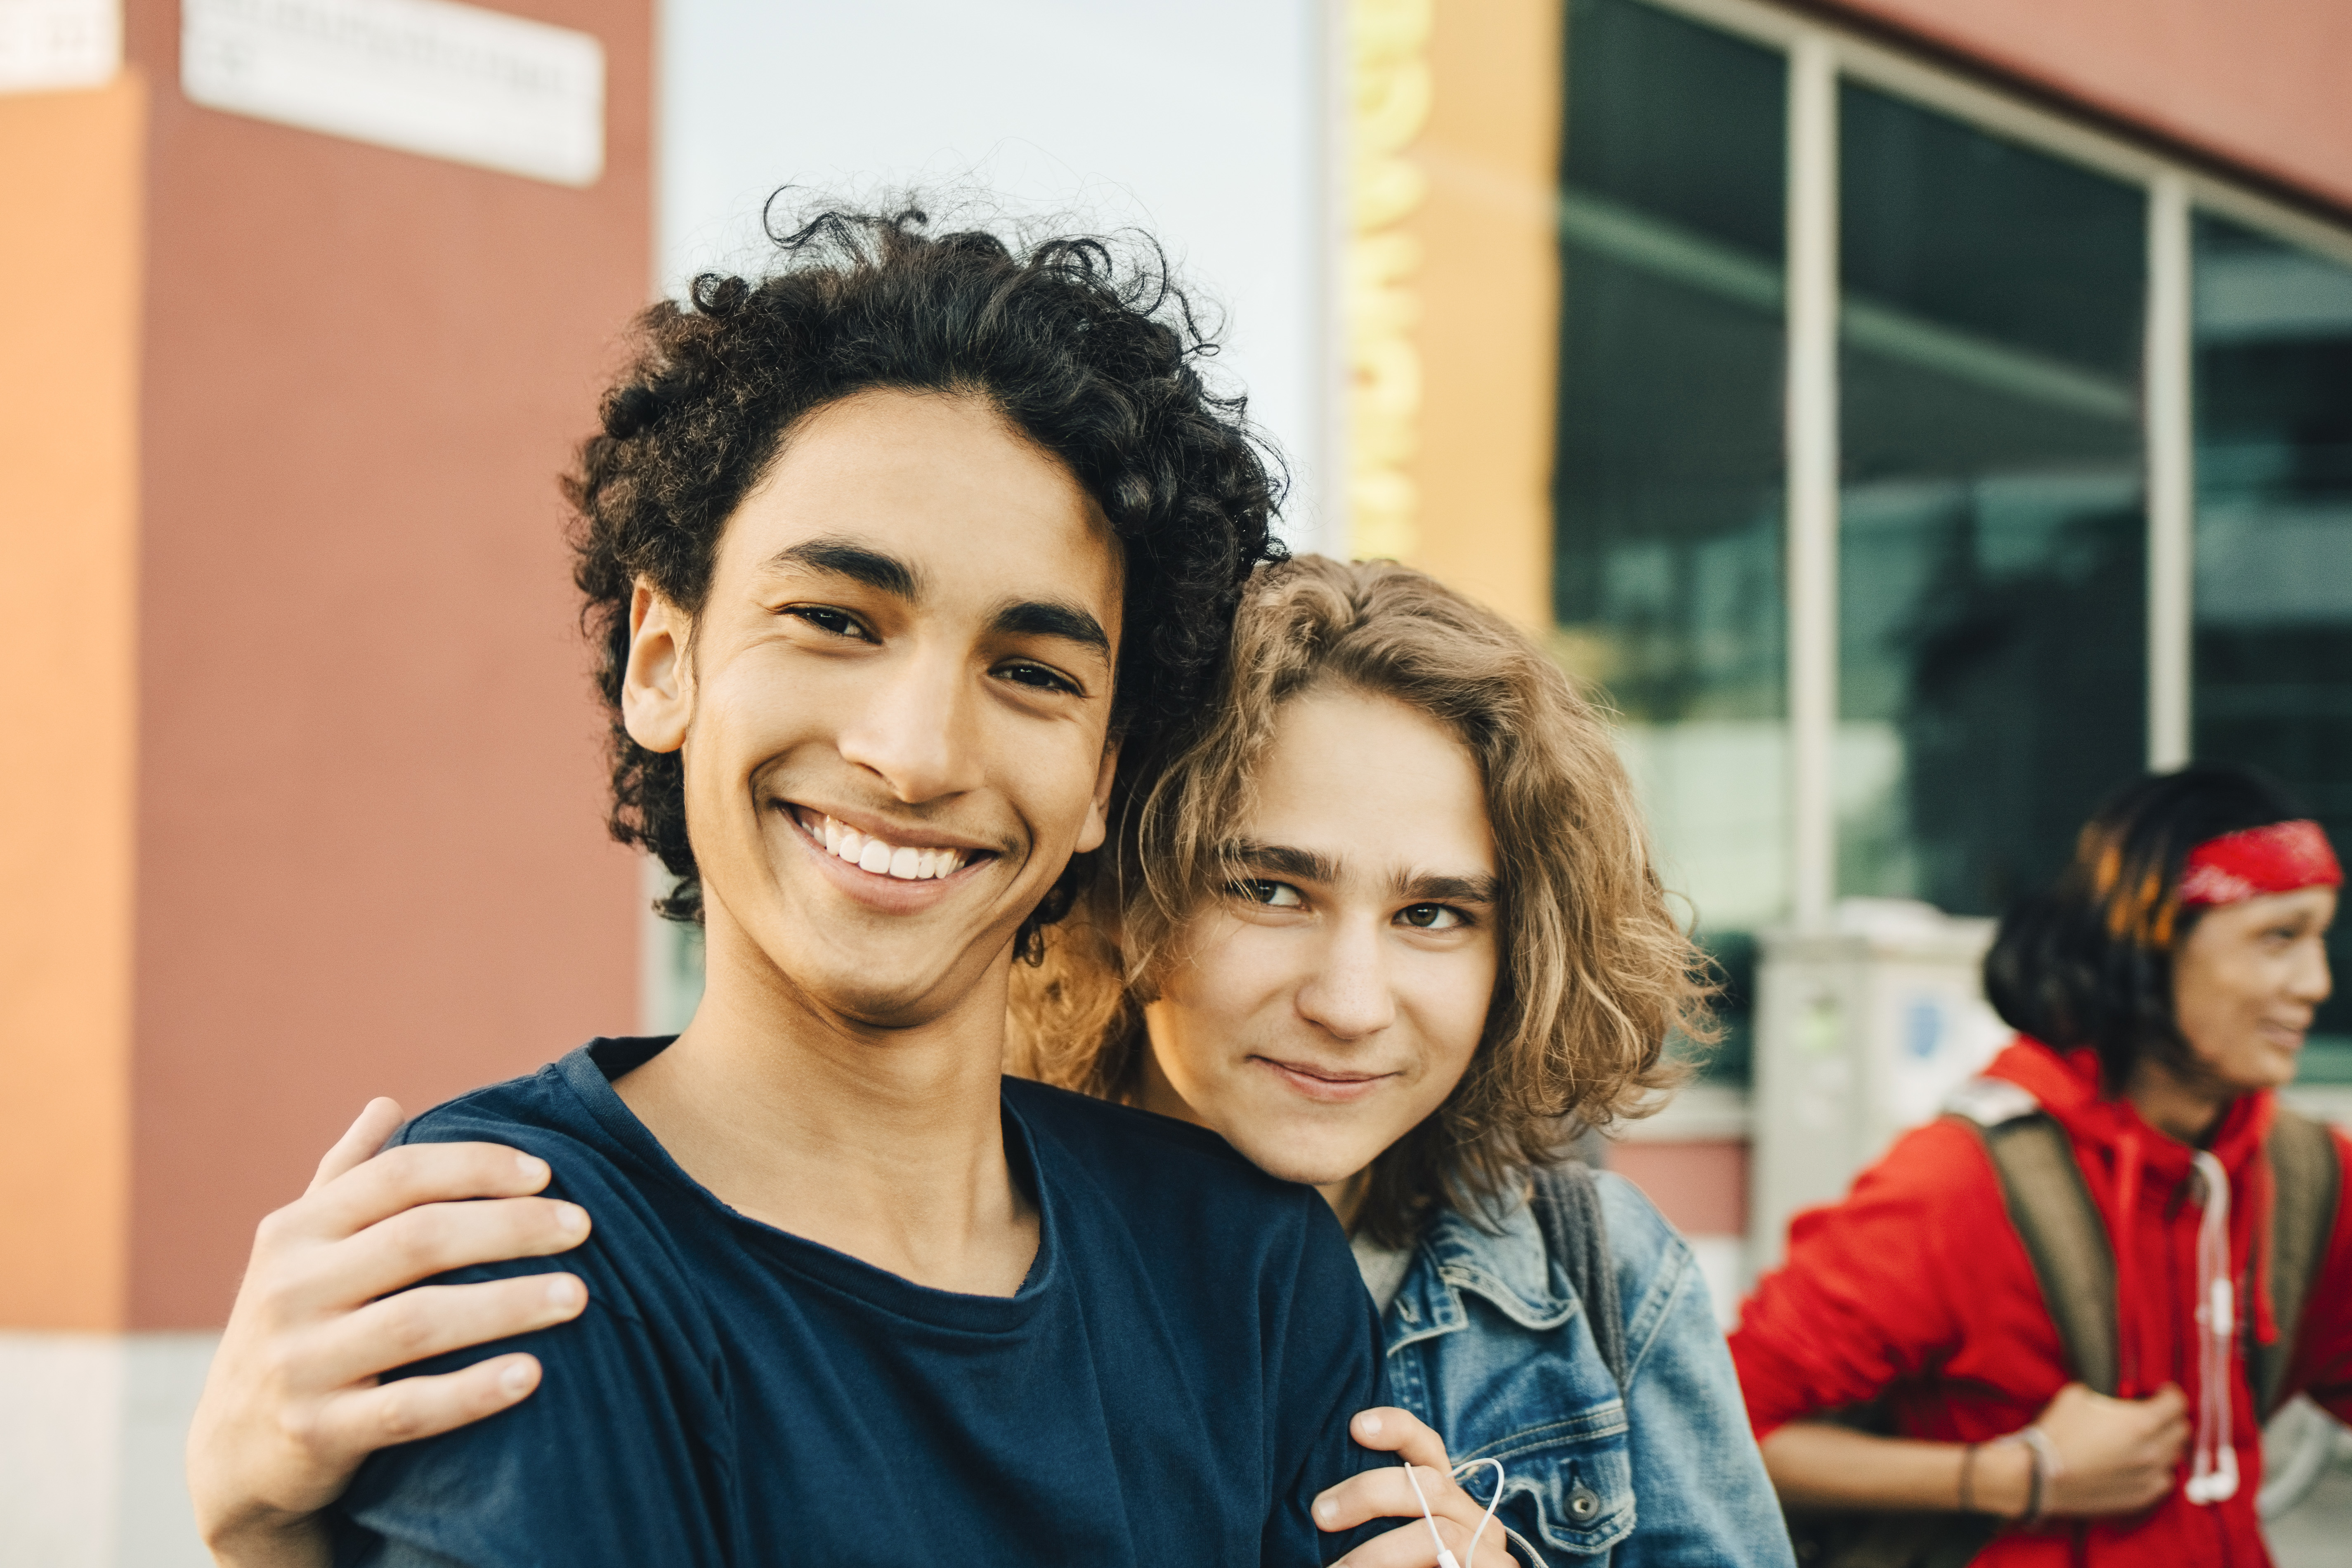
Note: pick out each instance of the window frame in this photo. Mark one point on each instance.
(1820, 56)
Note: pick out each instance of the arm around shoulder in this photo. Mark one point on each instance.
(605, 1463)
(296, 1397)
(601, 1468)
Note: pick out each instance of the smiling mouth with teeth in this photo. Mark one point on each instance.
(905, 862)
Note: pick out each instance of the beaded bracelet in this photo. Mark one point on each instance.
(2047, 1469)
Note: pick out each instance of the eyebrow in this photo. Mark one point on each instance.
(1308, 866)
(1047, 618)
(1282, 860)
(1431, 889)
(858, 562)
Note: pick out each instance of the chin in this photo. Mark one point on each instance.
(1285, 1160)
(879, 996)
(2273, 1067)
(2283, 1070)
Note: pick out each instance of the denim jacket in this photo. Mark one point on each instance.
(1488, 1345)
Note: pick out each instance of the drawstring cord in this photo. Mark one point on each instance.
(2126, 1224)
(2213, 1468)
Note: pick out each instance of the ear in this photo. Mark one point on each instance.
(657, 686)
(1098, 822)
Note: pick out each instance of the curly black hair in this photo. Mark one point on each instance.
(1087, 344)
(2089, 962)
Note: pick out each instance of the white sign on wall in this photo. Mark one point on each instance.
(425, 76)
(50, 43)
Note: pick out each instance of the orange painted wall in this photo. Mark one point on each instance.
(2262, 83)
(372, 857)
(1489, 293)
(69, 291)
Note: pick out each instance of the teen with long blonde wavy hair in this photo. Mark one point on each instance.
(1281, 950)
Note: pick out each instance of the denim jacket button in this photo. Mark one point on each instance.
(1583, 1504)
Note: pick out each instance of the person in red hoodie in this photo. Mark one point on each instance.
(2162, 990)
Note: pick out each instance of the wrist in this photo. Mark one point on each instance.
(266, 1539)
(2002, 1484)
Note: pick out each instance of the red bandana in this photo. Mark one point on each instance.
(2275, 860)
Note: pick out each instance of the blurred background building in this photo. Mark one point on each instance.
(1915, 416)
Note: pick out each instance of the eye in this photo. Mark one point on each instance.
(825, 618)
(1273, 895)
(1432, 917)
(1039, 678)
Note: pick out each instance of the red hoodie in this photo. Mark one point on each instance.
(1917, 1284)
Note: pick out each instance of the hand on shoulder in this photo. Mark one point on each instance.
(1438, 1510)
(295, 1399)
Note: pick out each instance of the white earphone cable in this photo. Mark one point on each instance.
(2214, 1463)
(1445, 1558)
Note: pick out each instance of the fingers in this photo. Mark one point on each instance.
(433, 1320)
(2166, 1431)
(1401, 1432)
(411, 1175)
(2066, 1401)
(360, 1421)
(1408, 1546)
(433, 1239)
(2165, 1445)
(1387, 1493)
(379, 1121)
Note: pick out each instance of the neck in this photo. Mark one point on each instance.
(886, 1143)
(2174, 1105)
(1346, 1197)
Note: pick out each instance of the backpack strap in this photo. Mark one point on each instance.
(2306, 1184)
(1567, 1205)
(2074, 1258)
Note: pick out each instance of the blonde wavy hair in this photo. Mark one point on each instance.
(1594, 972)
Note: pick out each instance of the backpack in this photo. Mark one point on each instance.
(1575, 1239)
(2074, 1262)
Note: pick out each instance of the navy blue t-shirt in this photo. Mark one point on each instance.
(1170, 1385)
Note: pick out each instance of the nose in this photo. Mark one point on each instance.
(917, 732)
(2309, 981)
(1349, 994)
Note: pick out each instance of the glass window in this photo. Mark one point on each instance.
(1668, 487)
(1992, 594)
(2274, 588)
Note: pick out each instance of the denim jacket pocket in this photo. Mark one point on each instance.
(1568, 1485)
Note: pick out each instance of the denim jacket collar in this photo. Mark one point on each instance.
(1508, 1265)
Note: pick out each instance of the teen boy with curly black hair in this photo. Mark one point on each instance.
(893, 560)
